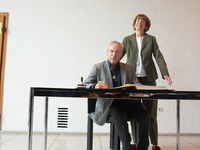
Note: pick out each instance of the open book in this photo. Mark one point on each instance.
(141, 87)
(132, 86)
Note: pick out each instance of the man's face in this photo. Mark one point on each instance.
(114, 53)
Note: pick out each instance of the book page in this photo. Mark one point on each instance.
(125, 86)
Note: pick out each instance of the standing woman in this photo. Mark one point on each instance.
(139, 48)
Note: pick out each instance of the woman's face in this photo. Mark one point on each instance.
(140, 24)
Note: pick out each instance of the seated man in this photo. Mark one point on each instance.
(109, 74)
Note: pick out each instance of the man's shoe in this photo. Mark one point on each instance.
(156, 148)
(134, 145)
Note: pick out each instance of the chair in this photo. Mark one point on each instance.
(114, 138)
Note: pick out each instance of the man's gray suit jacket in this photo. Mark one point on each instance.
(101, 72)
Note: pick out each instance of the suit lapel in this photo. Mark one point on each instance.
(145, 40)
(123, 74)
(133, 43)
(108, 76)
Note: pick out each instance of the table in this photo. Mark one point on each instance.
(131, 94)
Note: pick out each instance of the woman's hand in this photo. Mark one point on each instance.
(168, 79)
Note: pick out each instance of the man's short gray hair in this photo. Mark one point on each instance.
(116, 42)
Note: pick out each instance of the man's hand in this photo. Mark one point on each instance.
(101, 85)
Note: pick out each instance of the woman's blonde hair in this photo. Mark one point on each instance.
(143, 17)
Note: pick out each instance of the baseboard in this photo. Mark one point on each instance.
(85, 133)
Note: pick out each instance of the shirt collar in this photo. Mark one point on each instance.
(110, 65)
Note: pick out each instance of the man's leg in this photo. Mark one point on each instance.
(122, 126)
(123, 110)
(142, 117)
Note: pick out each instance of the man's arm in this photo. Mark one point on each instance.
(91, 80)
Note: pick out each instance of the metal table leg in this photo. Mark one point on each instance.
(45, 123)
(178, 124)
(30, 119)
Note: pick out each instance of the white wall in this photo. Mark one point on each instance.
(52, 43)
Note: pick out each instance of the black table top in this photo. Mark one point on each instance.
(115, 93)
